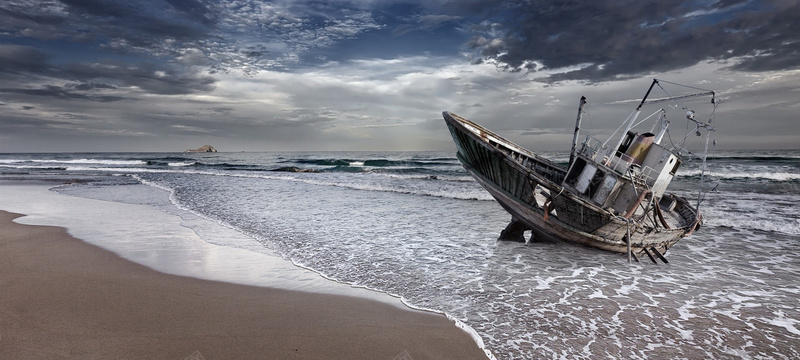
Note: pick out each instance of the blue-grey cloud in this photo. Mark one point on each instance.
(244, 35)
(18, 62)
(59, 93)
(16, 59)
(609, 40)
(366, 74)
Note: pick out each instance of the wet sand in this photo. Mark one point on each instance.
(64, 298)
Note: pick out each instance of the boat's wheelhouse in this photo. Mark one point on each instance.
(641, 165)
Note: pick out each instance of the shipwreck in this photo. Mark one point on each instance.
(613, 195)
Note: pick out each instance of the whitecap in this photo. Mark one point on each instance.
(181, 164)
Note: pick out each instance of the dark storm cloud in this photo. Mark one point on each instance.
(11, 124)
(59, 92)
(244, 35)
(91, 86)
(140, 25)
(152, 78)
(224, 110)
(143, 23)
(426, 23)
(16, 59)
(346, 74)
(178, 33)
(607, 40)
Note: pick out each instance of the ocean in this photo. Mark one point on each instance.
(415, 225)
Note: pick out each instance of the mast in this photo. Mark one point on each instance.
(655, 81)
(630, 120)
(577, 130)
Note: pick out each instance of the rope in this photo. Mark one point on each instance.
(645, 119)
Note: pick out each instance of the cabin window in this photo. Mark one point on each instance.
(577, 168)
(597, 179)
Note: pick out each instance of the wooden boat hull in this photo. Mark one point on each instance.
(514, 176)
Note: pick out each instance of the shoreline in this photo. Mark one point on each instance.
(167, 242)
(64, 297)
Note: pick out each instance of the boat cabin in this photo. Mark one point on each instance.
(640, 167)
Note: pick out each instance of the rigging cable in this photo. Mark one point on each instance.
(709, 130)
(686, 86)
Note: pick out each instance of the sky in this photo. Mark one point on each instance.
(375, 75)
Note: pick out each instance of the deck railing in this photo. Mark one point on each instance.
(594, 150)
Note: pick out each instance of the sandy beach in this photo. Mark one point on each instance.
(63, 298)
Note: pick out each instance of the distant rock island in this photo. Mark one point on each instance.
(204, 148)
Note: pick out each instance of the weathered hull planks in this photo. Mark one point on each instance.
(511, 175)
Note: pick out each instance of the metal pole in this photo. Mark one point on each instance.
(700, 194)
(628, 235)
(655, 81)
(577, 130)
(630, 120)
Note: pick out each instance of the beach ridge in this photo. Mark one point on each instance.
(64, 298)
